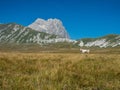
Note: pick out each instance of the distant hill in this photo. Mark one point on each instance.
(111, 40)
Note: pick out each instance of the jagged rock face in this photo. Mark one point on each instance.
(51, 26)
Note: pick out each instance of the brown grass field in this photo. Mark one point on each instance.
(59, 71)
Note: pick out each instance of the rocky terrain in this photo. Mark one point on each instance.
(51, 26)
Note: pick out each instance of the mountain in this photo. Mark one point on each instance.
(51, 26)
(15, 33)
(18, 34)
(111, 40)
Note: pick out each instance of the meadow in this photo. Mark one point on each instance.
(59, 71)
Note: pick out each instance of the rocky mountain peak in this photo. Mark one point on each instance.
(51, 26)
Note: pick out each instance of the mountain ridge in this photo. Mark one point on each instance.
(16, 33)
(103, 41)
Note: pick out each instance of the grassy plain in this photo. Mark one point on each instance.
(59, 71)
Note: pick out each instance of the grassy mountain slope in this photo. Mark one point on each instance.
(110, 40)
(14, 33)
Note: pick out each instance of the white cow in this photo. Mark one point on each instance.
(85, 50)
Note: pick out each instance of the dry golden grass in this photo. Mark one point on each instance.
(59, 71)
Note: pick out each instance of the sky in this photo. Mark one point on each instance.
(81, 18)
